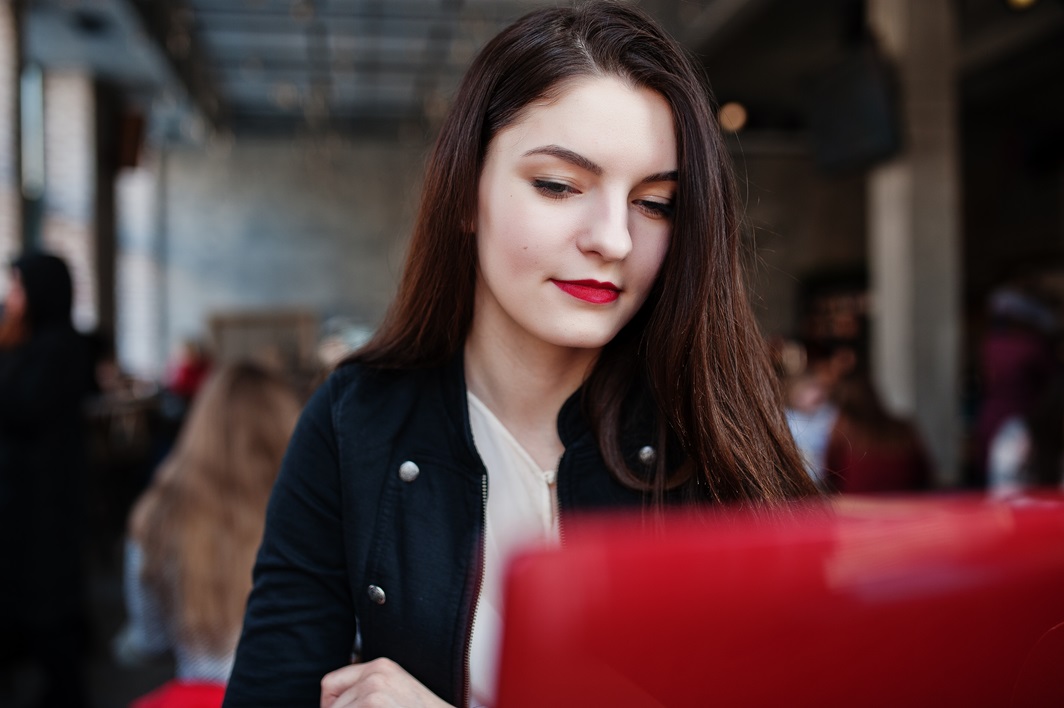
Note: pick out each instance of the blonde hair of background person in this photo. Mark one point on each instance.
(200, 522)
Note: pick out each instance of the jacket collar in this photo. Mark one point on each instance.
(572, 424)
(455, 398)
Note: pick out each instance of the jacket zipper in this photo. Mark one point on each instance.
(467, 692)
(558, 497)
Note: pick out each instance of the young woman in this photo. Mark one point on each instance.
(194, 532)
(571, 332)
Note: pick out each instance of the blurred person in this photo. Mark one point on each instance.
(1017, 362)
(811, 416)
(107, 374)
(194, 531)
(871, 450)
(1028, 451)
(571, 332)
(811, 412)
(45, 377)
(185, 374)
(189, 370)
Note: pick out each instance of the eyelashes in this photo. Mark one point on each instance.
(654, 209)
(553, 190)
(560, 190)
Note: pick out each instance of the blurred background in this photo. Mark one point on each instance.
(234, 179)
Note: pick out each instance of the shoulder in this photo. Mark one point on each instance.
(357, 397)
(359, 385)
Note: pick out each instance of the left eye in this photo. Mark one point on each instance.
(655, 209)
(554, 190)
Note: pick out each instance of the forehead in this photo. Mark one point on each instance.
(604, 118)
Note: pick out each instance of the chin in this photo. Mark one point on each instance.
(583, 339)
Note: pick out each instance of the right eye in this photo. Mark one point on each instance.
(553, 190)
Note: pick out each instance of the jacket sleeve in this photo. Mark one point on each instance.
(300, 620)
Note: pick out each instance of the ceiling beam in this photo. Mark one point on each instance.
(166, 23)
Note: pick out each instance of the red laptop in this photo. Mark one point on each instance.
(911, 602)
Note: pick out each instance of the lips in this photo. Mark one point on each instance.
(591, 291)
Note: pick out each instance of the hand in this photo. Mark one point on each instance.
(380, 683)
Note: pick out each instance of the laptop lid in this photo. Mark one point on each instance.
(923, 601)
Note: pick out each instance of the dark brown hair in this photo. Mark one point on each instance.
(694, 348)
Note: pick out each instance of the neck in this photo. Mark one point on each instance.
(525, 385)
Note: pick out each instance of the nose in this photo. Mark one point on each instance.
(607, 232)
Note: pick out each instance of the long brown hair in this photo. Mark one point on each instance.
(694, 347)
(201, 520)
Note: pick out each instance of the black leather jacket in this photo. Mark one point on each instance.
(356, 538)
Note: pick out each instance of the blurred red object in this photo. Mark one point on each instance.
(183, 694)
(188, 376)
(898, 602)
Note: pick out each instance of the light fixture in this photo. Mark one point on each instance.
(732, 117)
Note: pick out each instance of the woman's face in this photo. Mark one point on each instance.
(574, 215)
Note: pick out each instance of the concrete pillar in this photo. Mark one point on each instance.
(68, 227)
(10, 211)
(110, 124)
(914, 231)
(140, 269)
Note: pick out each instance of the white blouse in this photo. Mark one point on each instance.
(522, 510)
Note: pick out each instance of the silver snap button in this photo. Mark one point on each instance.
(376, 594)
(408, 471)
(647, 455)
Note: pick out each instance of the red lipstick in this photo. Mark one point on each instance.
(591, 291)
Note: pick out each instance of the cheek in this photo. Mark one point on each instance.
(508, 248)
(650, 255)
(518, 235)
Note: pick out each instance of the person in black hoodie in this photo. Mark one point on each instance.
(44, 378)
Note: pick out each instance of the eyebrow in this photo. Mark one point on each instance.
(671, 176)
(582, 162)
